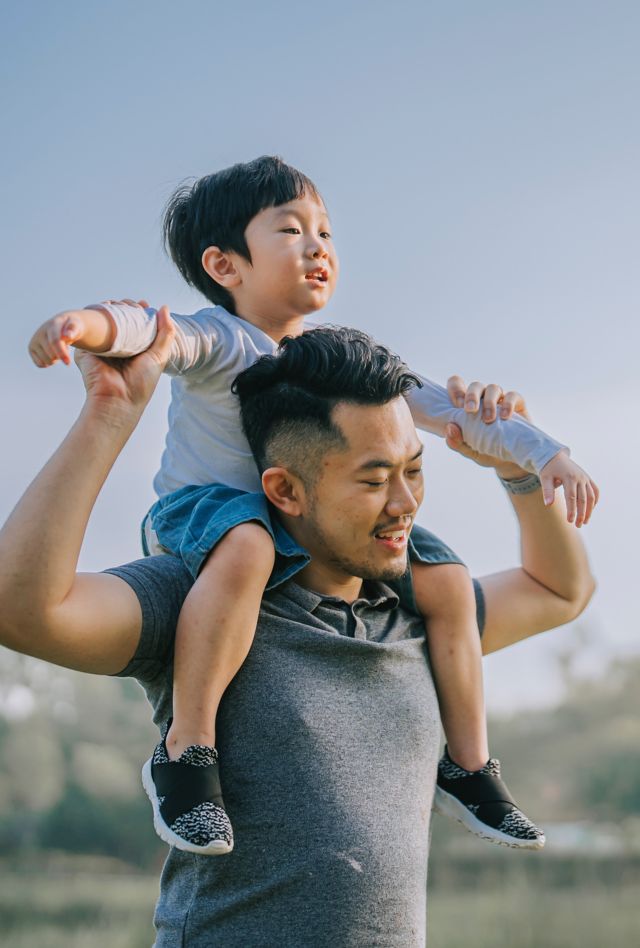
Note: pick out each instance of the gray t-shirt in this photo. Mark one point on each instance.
(328, 740)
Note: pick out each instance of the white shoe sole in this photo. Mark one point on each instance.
(447, 805)
(218, 847)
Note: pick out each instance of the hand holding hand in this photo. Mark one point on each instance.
(581, 492)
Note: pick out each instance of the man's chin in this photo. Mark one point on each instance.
(386, 573)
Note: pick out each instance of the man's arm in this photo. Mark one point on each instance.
(90, 622)
(554, 583)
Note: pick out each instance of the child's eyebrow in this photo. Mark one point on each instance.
(283, 211)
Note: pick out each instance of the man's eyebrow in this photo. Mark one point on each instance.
(385, 463)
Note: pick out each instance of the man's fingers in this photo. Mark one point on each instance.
(457, 390)
(473, 396)
(161, 346)
(490, 398)
(511, 402)
(455, 441)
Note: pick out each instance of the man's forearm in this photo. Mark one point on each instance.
(551, 587)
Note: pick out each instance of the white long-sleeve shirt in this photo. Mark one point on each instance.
(205, 443)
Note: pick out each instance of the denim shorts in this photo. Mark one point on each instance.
(190, 522)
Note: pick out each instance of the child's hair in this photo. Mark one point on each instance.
(286, 399)
(215, 211)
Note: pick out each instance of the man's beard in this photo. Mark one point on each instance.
(351, 567)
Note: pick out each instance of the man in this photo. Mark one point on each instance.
(331, 727)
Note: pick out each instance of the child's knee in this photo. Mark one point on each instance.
(245, 553)
(443, 589)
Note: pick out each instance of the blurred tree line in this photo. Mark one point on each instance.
(72, 746)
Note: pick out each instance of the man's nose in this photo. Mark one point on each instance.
(403, 502)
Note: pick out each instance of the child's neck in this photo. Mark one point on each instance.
(276, 327)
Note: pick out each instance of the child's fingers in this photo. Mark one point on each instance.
(457, 390)
(592, 499)
(571, 496)
(548, 485)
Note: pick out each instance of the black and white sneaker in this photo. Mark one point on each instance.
(480, 800)
(188, 811)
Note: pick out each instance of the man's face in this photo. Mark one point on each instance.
(294, 264)
(361, 509)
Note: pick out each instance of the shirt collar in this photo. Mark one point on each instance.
(374, 594)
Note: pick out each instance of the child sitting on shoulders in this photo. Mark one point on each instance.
(255, 240)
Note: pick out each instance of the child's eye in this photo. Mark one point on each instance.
(325, 234)
(290, 230)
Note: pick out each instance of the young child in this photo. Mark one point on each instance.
(255, 240)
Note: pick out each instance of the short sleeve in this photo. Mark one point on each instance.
(161, 584)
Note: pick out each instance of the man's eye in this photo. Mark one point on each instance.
(375, 483)
(416, 472)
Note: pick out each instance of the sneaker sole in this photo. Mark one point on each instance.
(447, 805)
(218, 847)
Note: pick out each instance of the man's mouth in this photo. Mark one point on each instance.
(319, 275)
(393, 538)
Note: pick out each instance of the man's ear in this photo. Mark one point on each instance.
(285, 491)
(220, 267)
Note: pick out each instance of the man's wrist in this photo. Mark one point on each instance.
(112, 416)
(524, 484)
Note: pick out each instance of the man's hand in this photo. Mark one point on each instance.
(117, 384)
(493, 400)
(581, 492)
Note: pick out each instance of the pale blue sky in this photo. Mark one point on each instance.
(480, 164)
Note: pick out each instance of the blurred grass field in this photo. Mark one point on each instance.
(85, 906)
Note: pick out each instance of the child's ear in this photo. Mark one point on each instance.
(284, 490)
(220, 267)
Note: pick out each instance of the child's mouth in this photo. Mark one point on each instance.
(319, 275)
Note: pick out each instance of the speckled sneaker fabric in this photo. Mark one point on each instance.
(480, 800)
(188, 810)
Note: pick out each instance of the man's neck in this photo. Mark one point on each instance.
(325, 580)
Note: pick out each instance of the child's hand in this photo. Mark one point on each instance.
(50, 343)
(580, 491)
(89, 329)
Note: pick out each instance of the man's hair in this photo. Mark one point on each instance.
(215, 211)
(286, 399)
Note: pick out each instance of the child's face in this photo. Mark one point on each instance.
(294, 264)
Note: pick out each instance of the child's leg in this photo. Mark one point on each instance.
(216, 628)
(215, 631)
(469, 787)
(445, 597)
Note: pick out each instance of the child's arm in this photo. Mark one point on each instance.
(512, 440)
(122, 329)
